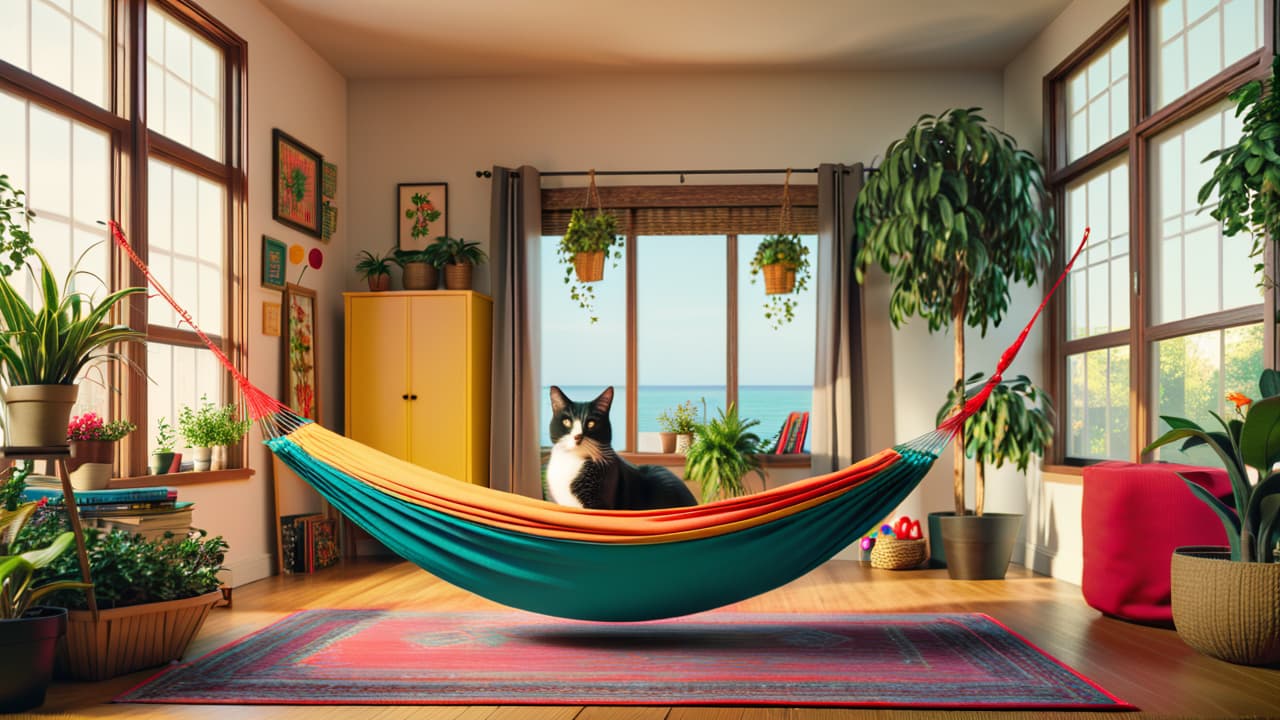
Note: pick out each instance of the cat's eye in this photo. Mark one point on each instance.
(566, 422)
(591, 424)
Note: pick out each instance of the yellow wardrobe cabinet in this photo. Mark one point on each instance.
(418, 377)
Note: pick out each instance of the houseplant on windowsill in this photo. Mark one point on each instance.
(783, 261)
(29, 634)
(678, 426)
(583, 249)
(724, 451)
(458, 258)
(162, 455)
(93, 449)
(209, 429)
(376, 269)
(1013, 426)
(154, 595)
(1226, 601)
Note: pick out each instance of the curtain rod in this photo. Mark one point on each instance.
(681, 173)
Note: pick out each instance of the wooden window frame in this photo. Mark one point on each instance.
(1133, 144)
(133, 144)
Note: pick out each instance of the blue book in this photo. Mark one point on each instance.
(99, 497)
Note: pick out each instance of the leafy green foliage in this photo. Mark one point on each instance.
(1248, 448)
(20, 585)
(210, 425)
(371, 265)
(15, 218)
(164, 436)
(127, 569)
(1247, 174)
(955, 206)
(599, 233)
(724, 450)
(456, 251)
(1014, 425)
(680, 419)
(788, 250)
(423, 213)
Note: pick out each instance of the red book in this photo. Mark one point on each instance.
(782, 436)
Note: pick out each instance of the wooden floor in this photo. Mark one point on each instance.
(1149, 667)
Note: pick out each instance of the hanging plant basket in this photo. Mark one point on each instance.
(589, 266)
(779, 278)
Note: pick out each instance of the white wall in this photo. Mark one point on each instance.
(1053, 501)
(294, 89)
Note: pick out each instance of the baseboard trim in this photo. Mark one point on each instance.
(247, 570)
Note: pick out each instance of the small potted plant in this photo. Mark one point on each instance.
(200, 428)
(93, 447)
(680, 423)
(376, 269)
(162, 456)
(724, 452)
(583, 249)
(420, 270)
(459, 256)
(783, 261)
(29, 634)
(228, 429)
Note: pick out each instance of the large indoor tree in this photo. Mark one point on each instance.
(955, 214)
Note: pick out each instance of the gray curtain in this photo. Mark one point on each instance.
(515, 228)
(838, 420)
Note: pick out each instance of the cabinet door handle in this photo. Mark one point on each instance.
(405, 396)
(413, 397)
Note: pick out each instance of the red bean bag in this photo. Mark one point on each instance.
(1134, 516)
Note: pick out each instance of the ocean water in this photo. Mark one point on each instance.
(770, 404)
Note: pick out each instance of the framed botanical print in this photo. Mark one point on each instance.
(422, 212)
(295, 193)
(300, 356)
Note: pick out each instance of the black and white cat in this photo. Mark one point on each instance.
(584, 471)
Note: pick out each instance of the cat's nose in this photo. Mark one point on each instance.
(577, 439)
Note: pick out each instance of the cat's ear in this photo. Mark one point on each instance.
(604, 401)
(559, 401)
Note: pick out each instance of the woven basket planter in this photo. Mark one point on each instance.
(589, 266)
(779, 279)
(457, 276)
(420, 276)
(1225, 609)
(890, 553)
(131, 638)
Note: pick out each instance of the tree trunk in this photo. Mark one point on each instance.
(979, 486)
(959, 304)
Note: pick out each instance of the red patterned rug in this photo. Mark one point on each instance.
(370, 657)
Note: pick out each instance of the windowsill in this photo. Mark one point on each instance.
(768, 460)
(182, 478)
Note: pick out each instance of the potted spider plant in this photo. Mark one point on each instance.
(583, 249)
(458, 258)
(375, 269)
(724, 451)
(783, 261)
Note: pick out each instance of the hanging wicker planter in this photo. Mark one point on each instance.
(589, 266)
(779, 278)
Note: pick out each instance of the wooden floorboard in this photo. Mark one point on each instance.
(1147, 666)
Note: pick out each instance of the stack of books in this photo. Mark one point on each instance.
(309, 542)
(150, 512)
(793, 434)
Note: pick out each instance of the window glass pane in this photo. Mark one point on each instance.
(775, 367)
(1098, 404)
(1196, 269)
(179, 376)
(1195, 40)
(580, 357)
(1098, 288)
(184, 84)
(682, 321)
(1192, 376)
(60, 43)
(1098, 99)
(186, 214)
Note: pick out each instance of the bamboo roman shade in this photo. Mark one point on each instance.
(688, 209)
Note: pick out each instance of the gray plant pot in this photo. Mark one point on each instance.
(28, 647)
(978, 547)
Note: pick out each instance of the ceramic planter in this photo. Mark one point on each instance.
(978, 547)
(38, 414)
(131, 638)
(218, 460)
(28, 646)
(668, 440)
(420, 276)
(1226, 609)
(160, 462)
(683, 441)
(91, 463)
(201, 458)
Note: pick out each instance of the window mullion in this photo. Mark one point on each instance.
(633, 370)
(731, 326)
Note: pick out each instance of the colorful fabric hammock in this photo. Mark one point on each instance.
(595, 564)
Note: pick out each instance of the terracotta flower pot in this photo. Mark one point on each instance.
(668, 440)
(38, 414)
(457, 276)
(379, 283)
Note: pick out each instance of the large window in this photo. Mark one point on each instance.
(694, 331)
(153, 142)
(1162, 315)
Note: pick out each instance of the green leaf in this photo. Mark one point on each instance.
(1260, 439)
(1224, 513)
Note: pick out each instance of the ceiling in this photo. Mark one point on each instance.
(374, 39)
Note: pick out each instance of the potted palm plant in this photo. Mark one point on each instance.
(583, 249)
(376, 269)
(1226, 601)
(459, 258)
(93, 447)
(783, 261)
(956, 214)
(724, 451)
(1013, 426)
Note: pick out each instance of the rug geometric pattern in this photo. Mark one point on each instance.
(374, 657)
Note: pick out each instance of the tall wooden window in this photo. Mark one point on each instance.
(1161, 314)
(133, 110)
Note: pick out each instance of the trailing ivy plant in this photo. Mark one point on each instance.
(955, 214)
(780, 309)
(1014, 425)
(1247, 176)
(599, 233)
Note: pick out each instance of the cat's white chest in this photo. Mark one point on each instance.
(562, 469)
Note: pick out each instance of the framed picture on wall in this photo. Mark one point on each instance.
(295, 193)
(422, 210)
(273, 263)
(301, 393)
